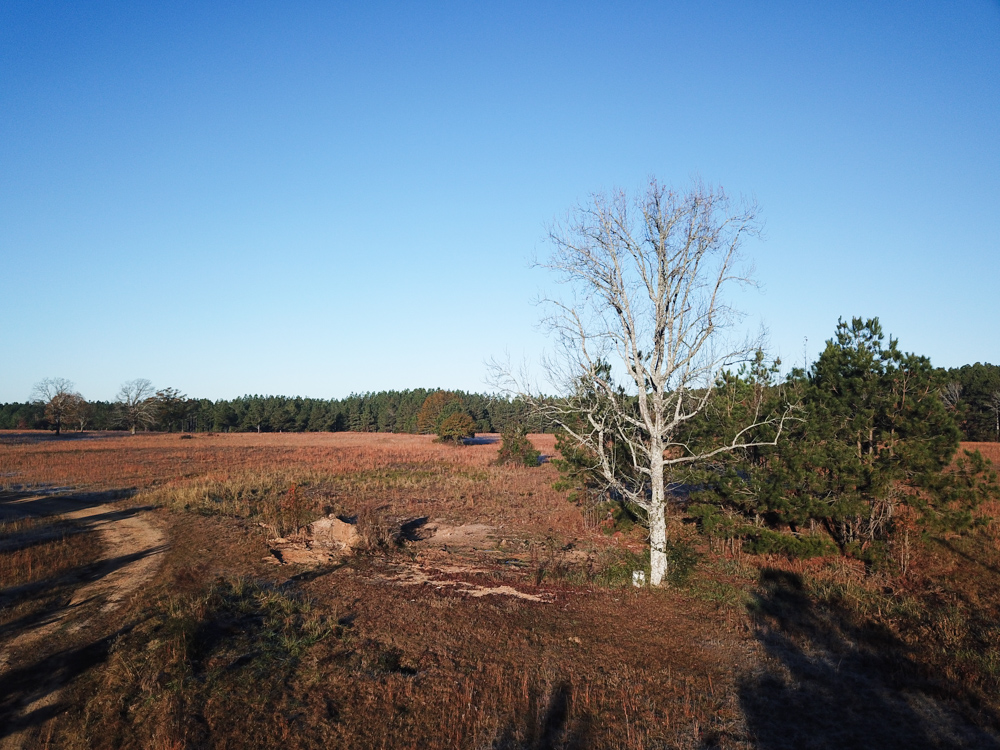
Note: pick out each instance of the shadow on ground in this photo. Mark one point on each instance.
(547, 725)
(31, 537)
(43, 502)
(833, 682)
(53, 628)
(32, 437)
(56, 593)
(36, 685)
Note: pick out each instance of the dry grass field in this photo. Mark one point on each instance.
(145, 604)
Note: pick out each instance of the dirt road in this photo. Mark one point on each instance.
(132, 550)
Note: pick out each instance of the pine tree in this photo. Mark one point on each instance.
(875, 437)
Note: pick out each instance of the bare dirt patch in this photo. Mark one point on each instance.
(437, 578)
(444, 555)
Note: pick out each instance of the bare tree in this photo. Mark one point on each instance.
(80, 412)
(951, 394)
(136, 404)
(647, 276)
(60, 400)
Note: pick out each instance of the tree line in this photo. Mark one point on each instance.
(971, 393)
(138, 406)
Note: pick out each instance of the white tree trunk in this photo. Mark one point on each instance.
(657, 545)
(657, 521)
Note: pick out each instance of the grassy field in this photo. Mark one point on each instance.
(480, 609)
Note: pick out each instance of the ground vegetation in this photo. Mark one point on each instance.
(483, 610)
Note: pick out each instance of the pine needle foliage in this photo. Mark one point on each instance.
(516, 448)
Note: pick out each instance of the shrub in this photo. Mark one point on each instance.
(515, 448)
(715, 524)
(616, 565)
(437, 407)
(758, 540)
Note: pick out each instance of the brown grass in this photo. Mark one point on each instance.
(35, 549)
(116, 460)
(40, 560)
(401, 474)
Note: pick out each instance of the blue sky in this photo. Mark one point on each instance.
(314, 199)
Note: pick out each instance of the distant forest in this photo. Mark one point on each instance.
(972, 392)
(386, 411)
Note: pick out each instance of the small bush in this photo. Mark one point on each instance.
(515, 448)
(615, 569)
(681, 561)
(616, 566)
(266, 497)
(715, 524)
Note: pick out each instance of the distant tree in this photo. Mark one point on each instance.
(951, 395)
(386, 421)
(456, 427)
(224, 416)
(303, 413)
(995, 408)
(171, 409)
(59, 399)
(281, 414)
(433, 410)
(136, 404)
(80, 412)
(974, 407)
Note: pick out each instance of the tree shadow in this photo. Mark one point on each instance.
(42, 502)
(547, 725)
(33, 437)
(29, 689)
(31, 537)
(62, 588)
(413, 530)
(968, 557)
(35, 685)
(836, 682)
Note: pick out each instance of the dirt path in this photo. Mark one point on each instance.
(132, 551)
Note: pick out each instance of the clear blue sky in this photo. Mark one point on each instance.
(314, 199)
